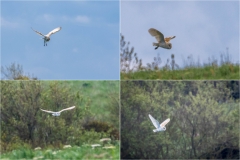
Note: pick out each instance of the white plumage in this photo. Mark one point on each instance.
(47, 36)
(58, 113)
(162, 42)
(159, 127)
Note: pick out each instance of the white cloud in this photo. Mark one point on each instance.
(82, 19)
(45, 18)
(73, 19)
(8, 24)
(48, 17)
(77, 19)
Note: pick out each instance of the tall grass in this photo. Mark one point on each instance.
(192, 70)
(192, 73)
(132, 67)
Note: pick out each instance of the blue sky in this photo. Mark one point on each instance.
(203, 29)
(87, 47)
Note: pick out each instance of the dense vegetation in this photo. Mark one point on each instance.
(204, 119)
(132, 67)
(24, 126)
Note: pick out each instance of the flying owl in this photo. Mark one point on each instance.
(162, 42)
(58, 113)
(159, 127)
(47, 36)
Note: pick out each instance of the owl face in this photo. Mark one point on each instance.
(169, 45)
(56, 114)
(47, 38)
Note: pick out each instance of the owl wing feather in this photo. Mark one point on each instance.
(165, 122)
(154, 121)
(158, 35)
(54, 31)
(167, 39)
(38, 32)
(47, 111)
(67, 109)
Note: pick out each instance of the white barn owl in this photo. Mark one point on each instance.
(47, 36)
(162, 42)
(159, 127)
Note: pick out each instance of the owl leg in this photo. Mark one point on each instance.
(156, 44)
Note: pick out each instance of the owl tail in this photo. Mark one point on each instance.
(155, 130)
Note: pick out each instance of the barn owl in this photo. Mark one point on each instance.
(47, 36)
(58, 113)
(159, 127)
(162, 42)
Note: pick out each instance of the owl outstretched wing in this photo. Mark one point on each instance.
(47, 111)
(154, 121)
(67, 109)
(54, 31)
(167, 39)
(165, 122)
(158, 35)
(38, 32)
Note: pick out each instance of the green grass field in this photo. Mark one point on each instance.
(83, 152)
(204, 73)
(97, 92)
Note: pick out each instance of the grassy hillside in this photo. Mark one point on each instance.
(203, 73)
(97, 92)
